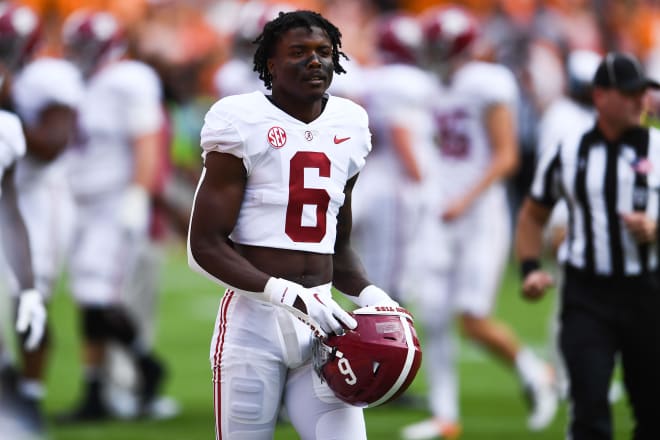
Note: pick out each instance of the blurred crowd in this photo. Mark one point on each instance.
(189, 53)
(188, 42)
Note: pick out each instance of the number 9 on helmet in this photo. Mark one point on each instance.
(374, 363)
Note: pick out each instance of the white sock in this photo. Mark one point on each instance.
(528, 365)
(32, 389)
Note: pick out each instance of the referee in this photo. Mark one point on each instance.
(609, 177)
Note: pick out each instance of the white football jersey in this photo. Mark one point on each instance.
(42, 83)
(12, 141)
(351, 84)
(388, 103)
(563, 118)
(296, 172)
(236, 77)
(121, 103)
(460, 109)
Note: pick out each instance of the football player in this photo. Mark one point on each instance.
(572, 112)
(112, 169)
(474, 111)
(18, 416)
(271, 221)
(47, 113)
(396, 181)
(235, 75)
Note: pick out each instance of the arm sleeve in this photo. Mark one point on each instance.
(33, 91)
(144, 111)
(220, 134)
(12, 141)
(501, 88)
(545, 185)
(359, 160)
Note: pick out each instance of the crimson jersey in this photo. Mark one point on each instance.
(296, 171)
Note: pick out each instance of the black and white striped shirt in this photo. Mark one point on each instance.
(599, 181)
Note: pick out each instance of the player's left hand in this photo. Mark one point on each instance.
(455, 209)
(642, 228)
(31, 316)
(373, 296)
(134, 210)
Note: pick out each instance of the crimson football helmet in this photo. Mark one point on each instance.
(20, 33)
(375, 362)
(399, 38)
(448, 31)
(91, 37)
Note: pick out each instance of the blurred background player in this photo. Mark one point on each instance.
(16, 246)
(235, 75)
(395, 181)
(113, 168)
(48, 116)
(469, 237)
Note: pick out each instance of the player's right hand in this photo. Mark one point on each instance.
(536, 283)
(321, 313)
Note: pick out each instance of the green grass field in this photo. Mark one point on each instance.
(491, 402)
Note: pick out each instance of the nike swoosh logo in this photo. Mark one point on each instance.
(340, 140)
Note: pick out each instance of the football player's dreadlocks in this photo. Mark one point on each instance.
(274, 29)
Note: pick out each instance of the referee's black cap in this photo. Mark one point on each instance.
(622, 71)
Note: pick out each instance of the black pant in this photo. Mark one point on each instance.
(601, 319)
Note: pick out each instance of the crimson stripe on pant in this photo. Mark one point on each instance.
(219, 344)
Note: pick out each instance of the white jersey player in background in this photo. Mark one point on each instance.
(112, 167)
(48, 116)
(16, 250)
(469, 237)
(15, 422)
(395, 184)
(573, 112)
(235, 76)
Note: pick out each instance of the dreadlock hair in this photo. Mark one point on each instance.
(274, 29)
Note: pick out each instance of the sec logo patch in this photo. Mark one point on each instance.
(276, 137)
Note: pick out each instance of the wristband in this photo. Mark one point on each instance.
(278, 292)
(373, 296)
(528, 266)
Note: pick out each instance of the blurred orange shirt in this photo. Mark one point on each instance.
(479, 7)
(126, 10)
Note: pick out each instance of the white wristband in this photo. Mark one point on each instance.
(373, 296)
(278, 292)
